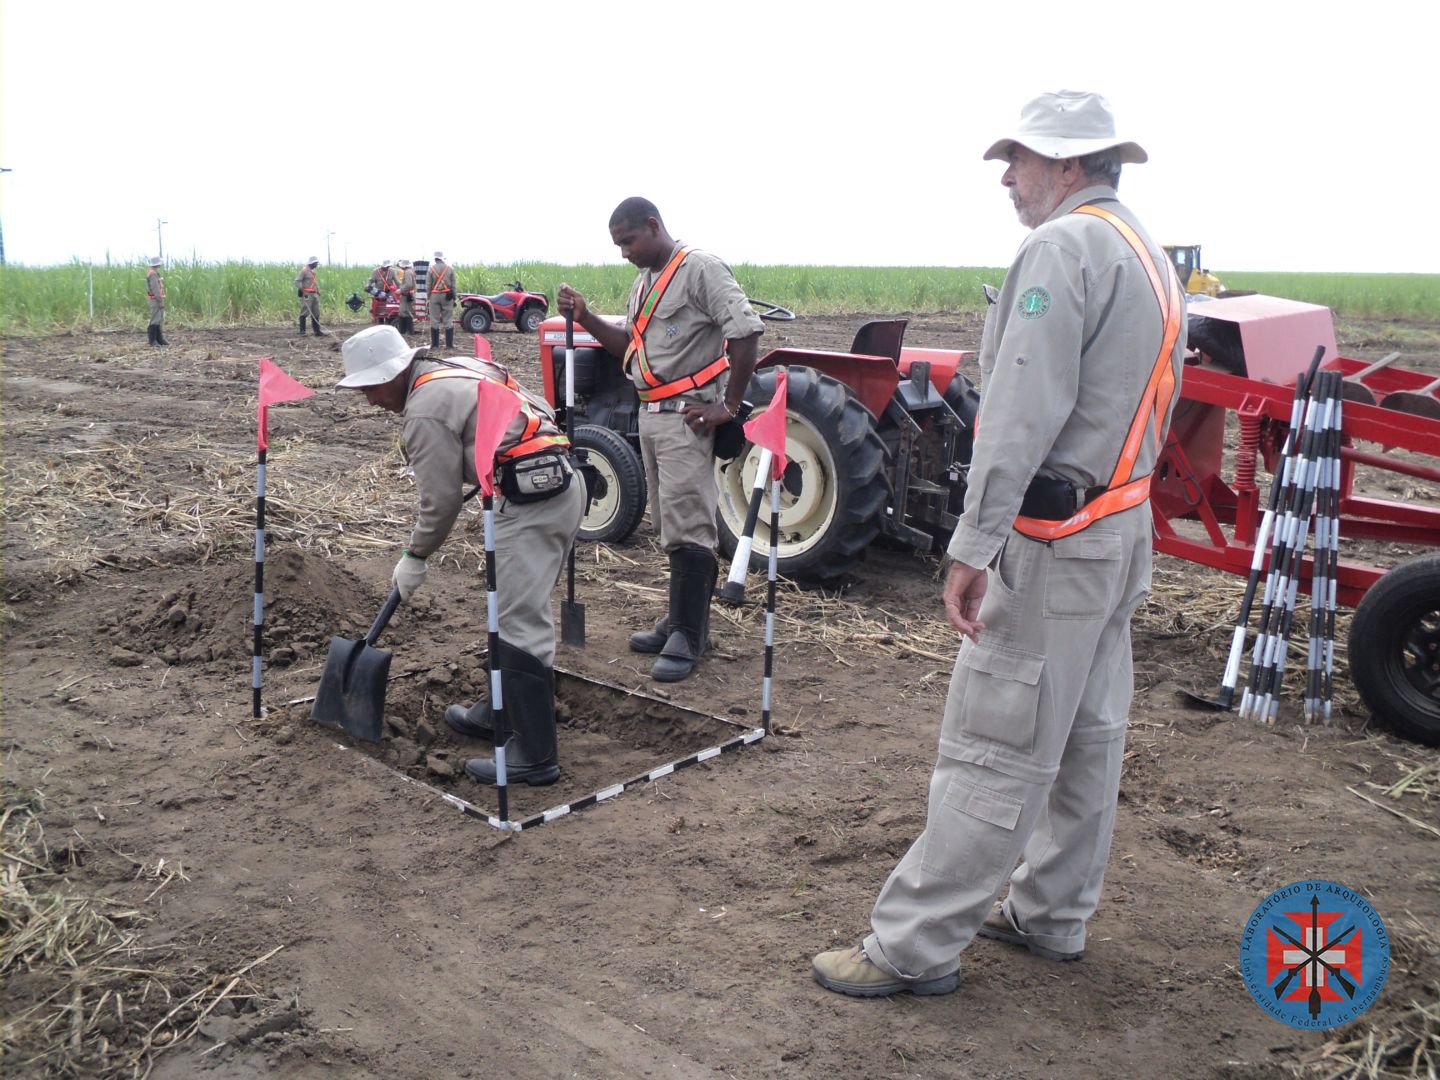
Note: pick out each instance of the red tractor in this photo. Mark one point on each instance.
(516, 305)
(880, 440)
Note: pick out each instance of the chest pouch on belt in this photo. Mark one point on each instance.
(535, 476)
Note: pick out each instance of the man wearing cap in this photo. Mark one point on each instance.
(155, 292)
(689, 340)
(307, 285)
(405, 286)
(440, 302)
(536, 519)
(382, 282)
(1080, 361)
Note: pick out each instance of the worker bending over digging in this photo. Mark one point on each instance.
(1080, 361)
(536, 519)
(690, 341)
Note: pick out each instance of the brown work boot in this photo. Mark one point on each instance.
(998, 927)
(850, 971)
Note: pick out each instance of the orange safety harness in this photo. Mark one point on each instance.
(439, 285)
(1122, 492)
(159, 283)
(312, 284)
(387, 281)
(655, 389)
(529, 443)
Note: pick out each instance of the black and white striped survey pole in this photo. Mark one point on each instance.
(733, 591)
(256, 677)
(771, 575)
(497, 695)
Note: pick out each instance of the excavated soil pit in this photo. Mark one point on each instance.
(608, 736)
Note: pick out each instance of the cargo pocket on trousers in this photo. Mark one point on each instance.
(1083, 575)
(972, 839)
(994, 695)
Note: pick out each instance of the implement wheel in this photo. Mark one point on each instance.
(836, 484)
(1395, 649)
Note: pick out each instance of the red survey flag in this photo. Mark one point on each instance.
(768, 429)
(495, 408)
(482, 347)
(276, 387)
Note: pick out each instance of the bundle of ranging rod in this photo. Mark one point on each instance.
(1309, 483)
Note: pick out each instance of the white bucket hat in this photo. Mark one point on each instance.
(404, 264)
(440, 255)
(374, 356)
(314, 260)
(1066, 124)
(157, 261)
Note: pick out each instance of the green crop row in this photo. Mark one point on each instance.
(46, 298)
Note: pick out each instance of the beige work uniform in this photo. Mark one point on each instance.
(1034, 726)
(308, 282)
(440, 295)
(531, 539)
(155, 296)
(406, 287)
(702, 308)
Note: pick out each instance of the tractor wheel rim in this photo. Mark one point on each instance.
(602, 511)
(808, 511)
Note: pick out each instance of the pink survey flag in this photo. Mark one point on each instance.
(768, 429)
(495, 408)
(276, 387)
(482, 347)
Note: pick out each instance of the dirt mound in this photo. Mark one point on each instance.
(211, 615)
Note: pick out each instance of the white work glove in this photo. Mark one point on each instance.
(409, 575)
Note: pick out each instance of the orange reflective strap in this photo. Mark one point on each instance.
(440, 281)
(636, 349)
(1122, 492)
(532, 446)
(705, 375)
(532, 418)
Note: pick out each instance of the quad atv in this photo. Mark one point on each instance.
(525, 309)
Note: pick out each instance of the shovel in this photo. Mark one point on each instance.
(572, 615)
(1422, 402)
(351, 694)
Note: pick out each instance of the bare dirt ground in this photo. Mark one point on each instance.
(282, 906)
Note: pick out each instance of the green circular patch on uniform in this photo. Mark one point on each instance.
(1034, 303)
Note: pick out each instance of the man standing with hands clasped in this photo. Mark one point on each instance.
(155, 293)
(1080, 363)
(687, 323)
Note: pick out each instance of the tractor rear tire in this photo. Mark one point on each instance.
(615, 482)
(836, 486)
(475, 319)
(1395, 649)
(531, 316)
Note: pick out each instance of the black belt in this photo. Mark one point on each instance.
(1050, 498)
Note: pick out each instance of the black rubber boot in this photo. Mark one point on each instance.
(150, 335)
(449, 337)
(692, 583)
(531, 754)
(472, 721)
(315, 326)
(302, 325)
(160, 336)
(651, 641)
(434, 338)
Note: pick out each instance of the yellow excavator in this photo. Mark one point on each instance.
(1198, 281)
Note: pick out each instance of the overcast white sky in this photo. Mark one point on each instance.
(1282, 136)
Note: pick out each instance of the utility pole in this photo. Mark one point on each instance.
(160, 239)
(328, 233)
(2, 231)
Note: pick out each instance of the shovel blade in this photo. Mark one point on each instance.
(351, 695)
(572, 622)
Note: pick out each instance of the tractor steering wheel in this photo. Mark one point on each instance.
(771, 311)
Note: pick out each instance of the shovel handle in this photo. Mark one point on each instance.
(391, 603)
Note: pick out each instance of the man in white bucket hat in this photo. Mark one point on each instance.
(1080, 363)
(307, 287)
(155, 295)
(536, 518)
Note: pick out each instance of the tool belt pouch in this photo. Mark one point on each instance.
(535, 477)
(730, 436)
(1050, 499)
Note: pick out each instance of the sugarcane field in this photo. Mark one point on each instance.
(206, 876)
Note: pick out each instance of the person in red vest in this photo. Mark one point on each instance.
(440, 302)
(155, 293)
(307, 285)
(1080, 362)
(690, 342)
(537, 516)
